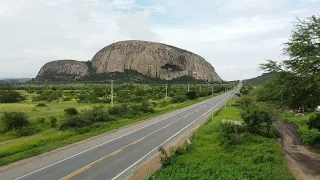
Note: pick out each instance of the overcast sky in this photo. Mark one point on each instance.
(233, 35)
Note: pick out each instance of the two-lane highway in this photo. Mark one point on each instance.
(115, 155)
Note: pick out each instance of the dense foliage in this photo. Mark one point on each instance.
(297, 82)
(10, 96)
(14, 120)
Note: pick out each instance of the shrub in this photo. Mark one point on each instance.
(14, 120)
(68, 98)
(314, 121)
(41, 105)
(163, 103)
(244, 101)
(41, 120)
(8, 96)
(53, 122)
(97, 114)
(71, 111)
(115, 110)
(87, 118)
(178, 99)
(192, 95)
(227, 136)
(75, 122)
(27, 130)
(309, 136)
(105, 100)
(253, 117)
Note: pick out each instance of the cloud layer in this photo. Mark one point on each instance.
(233, 35)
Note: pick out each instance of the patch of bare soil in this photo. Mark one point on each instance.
(303, 163)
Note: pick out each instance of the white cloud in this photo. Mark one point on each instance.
(234, 35)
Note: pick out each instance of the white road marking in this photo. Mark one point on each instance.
(109, 141)
(167, 140)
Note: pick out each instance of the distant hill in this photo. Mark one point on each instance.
(260, 79)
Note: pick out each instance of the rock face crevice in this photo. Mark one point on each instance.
(152, 59)
(149, 58)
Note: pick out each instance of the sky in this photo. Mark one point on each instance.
(235, 36)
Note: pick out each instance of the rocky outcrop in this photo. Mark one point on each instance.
(152, 59)
(147, 58)
(64, 69)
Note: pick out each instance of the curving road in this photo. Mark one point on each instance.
(114, 155)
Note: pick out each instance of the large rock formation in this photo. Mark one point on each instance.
(152, 59)
(148, 58)
(64, 69)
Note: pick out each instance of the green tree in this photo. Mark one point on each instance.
(297, 84)
(253, 118)
(8, 96)
(191, 95)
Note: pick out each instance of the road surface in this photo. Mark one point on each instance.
(114, 155)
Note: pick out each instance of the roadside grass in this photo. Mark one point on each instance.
(52, 138)
(253, 157)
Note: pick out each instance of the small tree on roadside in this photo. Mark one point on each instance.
(253, 118)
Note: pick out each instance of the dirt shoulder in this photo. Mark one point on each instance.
(303, 163)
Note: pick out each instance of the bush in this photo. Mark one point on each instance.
(115, 110)
(314, 121)
(253, 117)
(192, 95)
(71, 111)
(53, 122)
(244, 101)
(41, 105)
(14, 120)
(8, 96)
(105, 100)
(87, 118)
(75, 122)
(97, 114)
(309, 136)
(27, 130)
(41, 120)
(227, 136)
(68, 98)
(164, 102)
(178, 99)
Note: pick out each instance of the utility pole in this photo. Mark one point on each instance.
(200, 87)
(188, 88)
(111, 92)
(212, 102)
(225, 103)
(166, 91)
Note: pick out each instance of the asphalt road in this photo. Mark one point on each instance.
(114, 155)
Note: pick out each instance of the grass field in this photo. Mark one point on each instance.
(13, 149)
(253, 157)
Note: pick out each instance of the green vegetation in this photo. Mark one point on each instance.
(10, 97)
(52, 116)
(296, 84)
(260, 79)
(221, 151)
